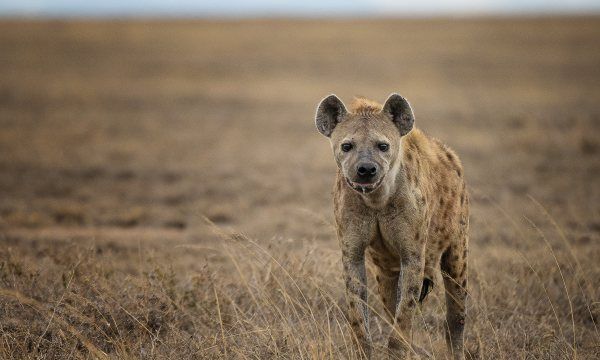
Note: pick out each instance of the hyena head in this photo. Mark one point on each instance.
(366, 139)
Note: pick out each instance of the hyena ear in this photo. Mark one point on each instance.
(329, 113)
(399, 110)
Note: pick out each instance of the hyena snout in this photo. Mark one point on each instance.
(366, 172)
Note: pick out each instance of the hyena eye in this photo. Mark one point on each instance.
(346, 147)
(383, 146)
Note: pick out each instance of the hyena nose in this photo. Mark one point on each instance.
(366, 171)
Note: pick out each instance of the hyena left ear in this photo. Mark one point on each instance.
(330, 112)
(399, 110)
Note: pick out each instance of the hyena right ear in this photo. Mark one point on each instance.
(329, 114)
(399, 110)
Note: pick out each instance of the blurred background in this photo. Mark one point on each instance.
(145, 144)
(309, 8)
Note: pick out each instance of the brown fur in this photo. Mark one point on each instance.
(361, 105)
(415, 222)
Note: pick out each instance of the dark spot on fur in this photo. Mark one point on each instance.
(414, 254)
(446, 214)
(458, 172)
(413, 290)
(464, 284)
(441, 201)
(377, 278)
(409, 156)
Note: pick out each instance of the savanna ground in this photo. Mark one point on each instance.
(164, 193)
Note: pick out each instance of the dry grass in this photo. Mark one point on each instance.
(72, 298)
(165, 194)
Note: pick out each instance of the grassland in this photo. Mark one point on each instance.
(164, 194)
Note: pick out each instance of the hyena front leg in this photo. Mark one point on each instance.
(409, 283)
(355, 276)
(454, 272)
(387, 284)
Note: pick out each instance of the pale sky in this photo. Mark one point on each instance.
(224, 8)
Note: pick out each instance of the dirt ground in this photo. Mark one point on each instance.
(165, 194)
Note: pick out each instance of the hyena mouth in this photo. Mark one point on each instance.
(364, 188)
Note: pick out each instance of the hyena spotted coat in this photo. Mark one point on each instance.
(400, 199)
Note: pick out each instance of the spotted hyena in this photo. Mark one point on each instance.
(400, 197)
